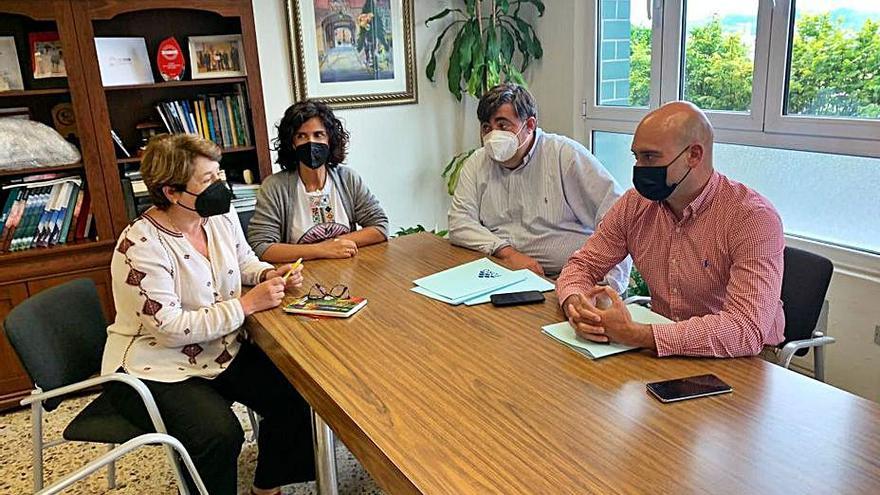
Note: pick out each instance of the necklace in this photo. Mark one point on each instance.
(168, 216)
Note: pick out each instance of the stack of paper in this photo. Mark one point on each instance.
(565, 334)
(473, 283)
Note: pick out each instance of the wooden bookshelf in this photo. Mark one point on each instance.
(237, 149)
(40, 170)
(121, 108)
(27, 93)
(179, 84)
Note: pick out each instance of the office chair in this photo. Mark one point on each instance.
(805, 281)
(804, 285)
(59, 337)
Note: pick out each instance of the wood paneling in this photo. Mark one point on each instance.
(14, 382)
(440, 399)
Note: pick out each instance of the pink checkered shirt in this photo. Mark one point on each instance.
(717, 271)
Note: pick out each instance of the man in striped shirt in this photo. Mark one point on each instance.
(709, 248)
(529, 197)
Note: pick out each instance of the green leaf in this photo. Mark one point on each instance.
(471, 7)
(432, 64)
(533, 45)
(475, 83)
(453, 74)
(468, 40)
(507, 45)
(452, 174)
(492, 45)
(442, 14)
(515, 75)
(537, 3)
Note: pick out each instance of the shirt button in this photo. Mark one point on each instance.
(678, 230)
(673, 260)
(675, 291)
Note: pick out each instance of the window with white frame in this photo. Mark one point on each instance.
(792, 88)
(797, 74)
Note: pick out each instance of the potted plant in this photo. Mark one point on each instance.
(488, 36)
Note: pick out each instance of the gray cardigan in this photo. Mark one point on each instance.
(272, 220)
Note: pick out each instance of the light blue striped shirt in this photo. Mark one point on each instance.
(545, 208)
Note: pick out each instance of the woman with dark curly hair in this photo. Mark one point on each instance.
(313, 207)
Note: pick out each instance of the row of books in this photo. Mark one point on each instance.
(219, 118)
(137, 197)
(244, 196)
(44, 213)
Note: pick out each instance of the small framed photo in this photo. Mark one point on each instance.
(217, 56)
(47, 55)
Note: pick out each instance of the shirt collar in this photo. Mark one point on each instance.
(539, 136)
(703, 201)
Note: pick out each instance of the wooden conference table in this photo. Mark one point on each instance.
(433, 398)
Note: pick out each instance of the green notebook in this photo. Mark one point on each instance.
(563, 333)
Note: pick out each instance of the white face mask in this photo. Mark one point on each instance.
(502, 145)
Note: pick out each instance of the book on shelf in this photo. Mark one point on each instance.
(119, 143)
(41, 213)
(221, 118)
(333, 307)
(23, 113)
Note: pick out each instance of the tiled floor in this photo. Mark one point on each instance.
(144, 471)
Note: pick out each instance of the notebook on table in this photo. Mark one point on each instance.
(563, 333)
(332, 307)
(458, 284)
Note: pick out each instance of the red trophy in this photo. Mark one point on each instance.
(170, 60)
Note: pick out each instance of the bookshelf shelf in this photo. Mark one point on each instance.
(179, 84)
(58, 250)
(238, 149)
(34, 92)
(40, 170)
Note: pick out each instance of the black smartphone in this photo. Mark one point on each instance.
(516, 298)
(688, 388)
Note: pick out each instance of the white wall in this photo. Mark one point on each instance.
(400, 150)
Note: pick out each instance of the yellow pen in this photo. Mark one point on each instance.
(293, 267)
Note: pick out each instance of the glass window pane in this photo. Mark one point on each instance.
(829, 198)
(834, 67)
(624, 54)
(719, 54)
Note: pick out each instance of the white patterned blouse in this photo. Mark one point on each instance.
(178, 313)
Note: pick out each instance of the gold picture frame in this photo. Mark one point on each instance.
(353, 53)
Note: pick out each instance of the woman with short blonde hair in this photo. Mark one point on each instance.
(177, 275)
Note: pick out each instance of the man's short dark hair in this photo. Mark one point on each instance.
(523, 102)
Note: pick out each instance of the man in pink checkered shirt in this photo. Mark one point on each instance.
(709, 248)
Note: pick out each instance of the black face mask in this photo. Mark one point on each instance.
(650, 182)
(313, 155)
(214, 200)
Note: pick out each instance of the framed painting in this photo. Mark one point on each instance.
(353, 53)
